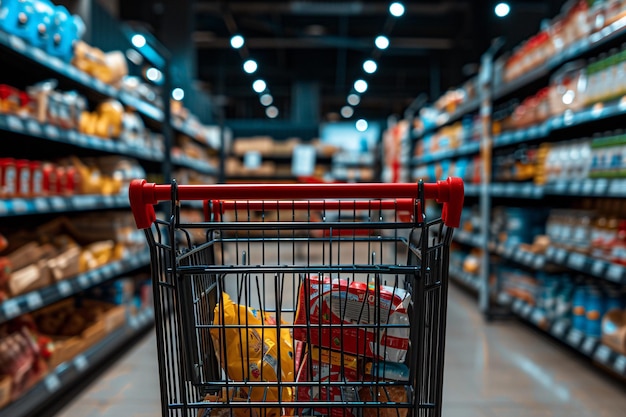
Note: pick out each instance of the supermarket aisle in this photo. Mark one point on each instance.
(491, 371)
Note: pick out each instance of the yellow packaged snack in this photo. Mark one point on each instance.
(252, 353)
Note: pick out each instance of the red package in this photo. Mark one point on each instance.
(327, 366)
(336, 303)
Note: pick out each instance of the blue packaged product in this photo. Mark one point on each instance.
(578, 309)
(594, 310)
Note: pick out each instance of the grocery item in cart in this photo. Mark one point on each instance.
(252, 353)
(323, 366)
(339, 303)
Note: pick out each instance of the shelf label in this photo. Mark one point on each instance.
(83, 281)
(41, 205)
(526, 310)
(56, 63)
(575, 187)
(527, 190)
(620, 365)
(58, 203)
(33, 127)
(539, 262)
(17, 43)
(559, 328)
(589, 345)
(528, 258)
(597, 268)
(34, 300)
(52, 383)
(600, 187)
(614, 273)
(560, 187)
(15, 124)
(560, 256)
(587, 187)
(574, 338)
(133, 322)
(52, 131)
(72, 136)
(11, 308)
(602, 354)
(517, 305)
(536, 317)
(81, 363)
(550, 252)
(19, 206)
(576, 261)
(597, 110)
(64, 288)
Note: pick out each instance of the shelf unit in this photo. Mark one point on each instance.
(561, 193)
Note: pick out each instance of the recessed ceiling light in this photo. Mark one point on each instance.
(354, 99)
(396, 9)
(271, 112)
(381, 42)
(237, 41)
(250, 66)
(138, 40)
(178, 94)
(360, 86)
(267, 99)
(347, 112)
(370, 66)
(259, 86)
(502, 9)
(361, 125)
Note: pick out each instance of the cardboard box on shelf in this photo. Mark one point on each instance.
(66, 264)
(262, 144)
(614, 330)
(284, 147)
(29, 278)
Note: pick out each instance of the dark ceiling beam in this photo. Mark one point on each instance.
(328, 8)
(206, 40)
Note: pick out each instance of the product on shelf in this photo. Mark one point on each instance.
(519, 165)
(108, 67)
(104, 122)
(614, 330)
(13, 101)
(135, 87)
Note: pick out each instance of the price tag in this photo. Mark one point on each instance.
(81, 363)
(95, 276)
(85, 79)
(34, 300)
(83, 281)
(615, 273)
(82, 140)
(518, 256)
(509, 251)
(109, 145)
(560, 187)
(504, 298)
(52, 131)
(511, 189)
(602, 355)
(574, 338)
(575, 187)
(538, 192)
(17, 43)
(519, 135)
(539, 262)
(133, 322)
(11, 308)
(550, 252)
(107, 271)
(597, 110)
(41, 205)
(517, 305)
(617, 188)
(526, 310)
(600, 187)
(4, 209)
(597, 268)
(64, 288)
(620, 365)
(19, 206)
(72, 136)
(589, 345)
(55, 63)
(560, 255)
(15, 124)
(117, 267)
(568, 117)
(576, 261)
(33, 127)
(536, 317)
(528, 258)
(52, 383)
(557, 122)
(527, 190)
(559, 328)
(533, 132)
(587, 187)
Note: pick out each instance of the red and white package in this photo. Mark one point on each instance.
(354, 318)
(323, 366)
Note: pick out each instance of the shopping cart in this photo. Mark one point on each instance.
(306, 299)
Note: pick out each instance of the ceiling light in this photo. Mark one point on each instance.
(267, 99)
(396, 9)
(153, 74)
(178, 94)
(370, 66)
(259, 86)
(347, 112)
(138, 40)
(361, 125)
(382, 42)
(250, 66)
(502, 9)
(236, 41)
(354, 99)
(271, 112)
(360, 86)
(134, 56)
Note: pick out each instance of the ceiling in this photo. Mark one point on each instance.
(311, 52)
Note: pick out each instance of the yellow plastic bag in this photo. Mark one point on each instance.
(252, 354)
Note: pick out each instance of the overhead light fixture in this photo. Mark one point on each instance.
(502, 9)
(381, 42)
(361, 125)
(370, 66)
(360, 86)
(354, 99)
(138, 40)
(266, 99)
(178, 94)
(237, 41)
(154, 74)
(271, 112)
(347, 112)
(250, 66)
(396, 9)
(259, 86)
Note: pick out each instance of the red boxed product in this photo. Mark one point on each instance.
(327, 366)
(336, 302)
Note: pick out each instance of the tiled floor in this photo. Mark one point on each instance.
(496, 370)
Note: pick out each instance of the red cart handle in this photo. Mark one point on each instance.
(144, 195)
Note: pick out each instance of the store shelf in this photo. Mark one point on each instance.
(69, 374)
(561, 330)
(68, 71)
(465, 278)
(25, 303)
(580, 188)
(594, 267)
(591, 44)
(202, 167)
(59, 204)
(463, 150)
(32, 128)
(445, 119)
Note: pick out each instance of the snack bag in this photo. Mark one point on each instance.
(252, 354)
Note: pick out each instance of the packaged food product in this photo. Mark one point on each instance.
(337, 302)
(252, 354)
